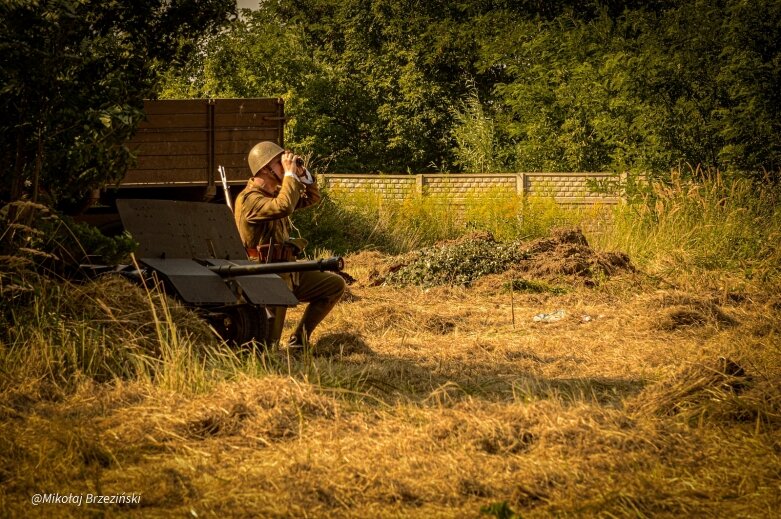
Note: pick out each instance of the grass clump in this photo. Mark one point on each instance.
(718, 223)
(532, 286)
(103, 330)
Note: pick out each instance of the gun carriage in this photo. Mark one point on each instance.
(194, 248)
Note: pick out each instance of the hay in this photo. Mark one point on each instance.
(431, 403)
(690, 389)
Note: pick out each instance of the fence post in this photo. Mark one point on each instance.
(419, 184)
(520, 184)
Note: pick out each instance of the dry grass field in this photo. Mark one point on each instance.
(650, 397)
(651, 389)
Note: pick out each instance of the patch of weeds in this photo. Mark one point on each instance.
(533, 286)
(500, 510)
(457, 263)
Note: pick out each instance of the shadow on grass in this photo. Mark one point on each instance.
(345, 361)
(398, 378)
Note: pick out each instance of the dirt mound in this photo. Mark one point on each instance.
(674, 310)
(559, 236)
(566, 253)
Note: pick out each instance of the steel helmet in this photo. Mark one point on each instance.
(261, 154)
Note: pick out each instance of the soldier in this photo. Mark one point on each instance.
(280, 185)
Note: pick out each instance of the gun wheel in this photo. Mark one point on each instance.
(241, 324)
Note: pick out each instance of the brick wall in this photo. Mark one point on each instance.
(390, 186)
(566, 188)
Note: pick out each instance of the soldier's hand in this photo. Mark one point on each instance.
(289, 162)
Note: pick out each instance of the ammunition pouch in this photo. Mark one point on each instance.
(273, 253)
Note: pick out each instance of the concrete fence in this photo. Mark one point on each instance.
(569, 189)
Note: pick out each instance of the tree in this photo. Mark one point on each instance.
(648, 87)
(73, 77)
(564, 85)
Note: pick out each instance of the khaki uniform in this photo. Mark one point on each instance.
(263, 217)
(262, 214)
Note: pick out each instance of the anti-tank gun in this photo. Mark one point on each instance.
(195, 250)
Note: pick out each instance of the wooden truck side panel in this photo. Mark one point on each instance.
(183, 141)
(179, 146)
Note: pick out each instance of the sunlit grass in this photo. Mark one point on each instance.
(434, 402)
(349, 221)
(715, 224)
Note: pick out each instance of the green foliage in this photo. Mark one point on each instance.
(371, 95)
(73, 76)
(500, 510)
(458, 263)
(35, 238)
(475, 141)
(101, 249)
(244, 61)
(644, 90)
(37, 227)
(527, 86)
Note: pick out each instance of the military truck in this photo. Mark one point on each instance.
(179, 147)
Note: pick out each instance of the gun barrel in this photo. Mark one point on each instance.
(333, 264)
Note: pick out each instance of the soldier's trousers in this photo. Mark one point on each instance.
(321, 290)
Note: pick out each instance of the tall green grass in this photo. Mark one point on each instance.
(717, 223)
(349, 221)
(476, 148)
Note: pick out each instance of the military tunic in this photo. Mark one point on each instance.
(263, 217)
